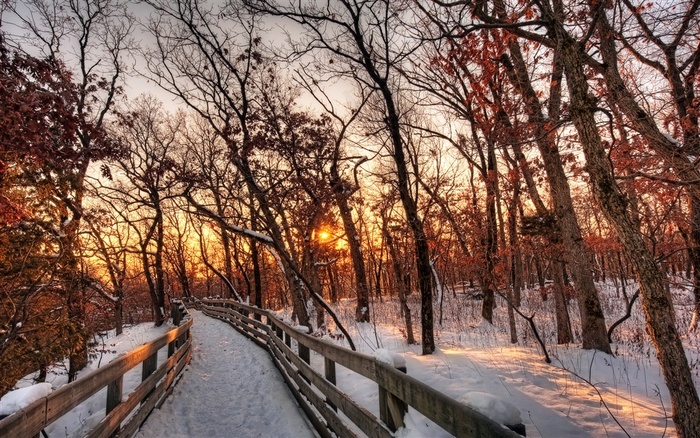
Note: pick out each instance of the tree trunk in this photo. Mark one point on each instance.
(332, 284)
(341, 193)
(225, 241)
(694, 254)
(414, 221)
(78, 357)
(78, 350)
(159, 305)
(296, 286)
(516, 260)
(490, 239)
(511, 318)
(257, 278)
(400, 283)
(119, 315)
(541, 281)
(560, 304)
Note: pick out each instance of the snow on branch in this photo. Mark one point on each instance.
(99, 288)
(204, 211)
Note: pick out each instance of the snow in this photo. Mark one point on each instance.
(392, 359)
(474, 363)
(473, 356)
(671, 140)
(438, 283)
(21, 398)
(493, 407)
(253, 234)
(303, 329)
(230, 389)
(411, 429)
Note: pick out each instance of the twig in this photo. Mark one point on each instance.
(533, 423)
(661, 400)
(600, 396)
(531, 321)
(624, 318)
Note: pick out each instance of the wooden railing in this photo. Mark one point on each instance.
(156, 383)
(396, 389)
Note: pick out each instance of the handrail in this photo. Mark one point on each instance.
(29, 422)
(396, 389)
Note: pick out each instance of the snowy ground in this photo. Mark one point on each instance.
(230, 389)
(553, 403)
(581, 394)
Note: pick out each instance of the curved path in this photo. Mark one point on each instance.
(230, 389)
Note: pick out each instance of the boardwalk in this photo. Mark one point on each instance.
(231, 389)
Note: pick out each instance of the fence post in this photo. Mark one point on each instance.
(114, 393)
(149, 366)
(305, 355)
(329, 367)
(175, 312)
(172, 346)
(391, 408)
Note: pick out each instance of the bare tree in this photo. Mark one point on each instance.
(470, 71)
(151, 136)
(218, 62)
(209, 57)
(342, 187)
(206, 150)
(360, 37)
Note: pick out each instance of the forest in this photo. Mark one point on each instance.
(316, 156)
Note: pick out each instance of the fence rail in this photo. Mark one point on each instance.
(321, 399)
(156, 383)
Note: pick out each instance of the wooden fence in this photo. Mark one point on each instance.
(321, 399)
(156, 383)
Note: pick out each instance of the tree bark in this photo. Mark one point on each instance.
(560, 304)
(490, 237)
(341, 192)
(400, 282)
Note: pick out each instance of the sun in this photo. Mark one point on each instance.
(324, 235)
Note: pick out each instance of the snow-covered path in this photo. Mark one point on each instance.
(230, 389)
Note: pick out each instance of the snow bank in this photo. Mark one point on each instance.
(392, 359)
(493, 407)
(413, 429)
(18, 399)
(302, 328)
